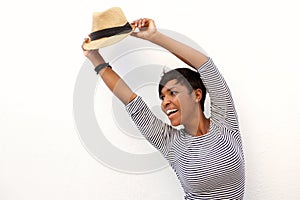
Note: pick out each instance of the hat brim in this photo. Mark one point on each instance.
(104, 42)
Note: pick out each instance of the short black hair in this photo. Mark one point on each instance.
(191, 79)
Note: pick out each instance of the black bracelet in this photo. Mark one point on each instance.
(101, 66)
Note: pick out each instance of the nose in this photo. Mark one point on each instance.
(166, 101)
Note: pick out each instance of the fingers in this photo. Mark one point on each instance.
(140, 23)
(84, 41)
(146, 28)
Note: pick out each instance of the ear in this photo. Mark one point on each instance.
(198, 95)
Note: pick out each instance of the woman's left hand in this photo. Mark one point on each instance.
(147, 28)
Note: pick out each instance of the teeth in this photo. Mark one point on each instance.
(171, 111)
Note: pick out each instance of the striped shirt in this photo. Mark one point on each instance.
(210, 166)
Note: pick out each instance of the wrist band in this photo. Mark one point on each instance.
(101, 66)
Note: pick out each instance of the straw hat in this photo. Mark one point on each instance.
(108, 27)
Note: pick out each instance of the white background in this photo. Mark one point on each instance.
(255, 44)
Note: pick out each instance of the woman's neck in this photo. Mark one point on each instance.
(198, 125)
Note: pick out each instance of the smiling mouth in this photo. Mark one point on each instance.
(170, 112)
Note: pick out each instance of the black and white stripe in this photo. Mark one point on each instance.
(210, 166)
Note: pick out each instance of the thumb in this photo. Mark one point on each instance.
(134, 34)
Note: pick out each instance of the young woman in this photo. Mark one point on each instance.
(206, 154)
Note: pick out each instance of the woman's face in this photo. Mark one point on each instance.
(178, 103)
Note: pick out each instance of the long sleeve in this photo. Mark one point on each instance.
(158, 133)
(223, 110)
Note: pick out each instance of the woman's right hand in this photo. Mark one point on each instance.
(93, 55)
(147, 28)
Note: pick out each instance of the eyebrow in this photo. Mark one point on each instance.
(169, 89)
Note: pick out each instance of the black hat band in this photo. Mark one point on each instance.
(111, 32)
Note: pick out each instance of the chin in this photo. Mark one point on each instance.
(175, 123)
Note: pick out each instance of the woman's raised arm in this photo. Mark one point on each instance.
(187, 54)
(110, 77)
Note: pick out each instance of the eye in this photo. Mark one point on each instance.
(173, 93)
(162, 97)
